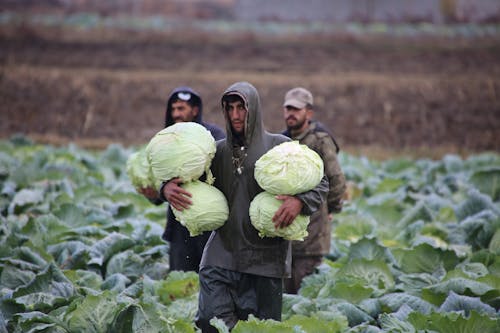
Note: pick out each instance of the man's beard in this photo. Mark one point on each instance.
(298, 124)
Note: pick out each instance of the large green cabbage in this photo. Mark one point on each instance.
(183, 150)
(289, 168)
(139, 170)
(262, 209)
(209, 210)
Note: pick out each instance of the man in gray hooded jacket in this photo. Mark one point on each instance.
(240, 272)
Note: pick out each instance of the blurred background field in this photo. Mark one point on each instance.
(389, 77)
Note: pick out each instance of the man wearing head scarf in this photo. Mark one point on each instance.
(240, 272)
(183, 105)
(308, 254)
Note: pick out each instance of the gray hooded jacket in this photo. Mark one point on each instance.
(236, 245)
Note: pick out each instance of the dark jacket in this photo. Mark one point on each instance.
(319, 229)
(172, 225)
(236, 245)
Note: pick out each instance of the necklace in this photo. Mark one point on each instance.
(239, 155)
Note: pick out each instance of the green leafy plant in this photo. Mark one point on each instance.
(80, 250)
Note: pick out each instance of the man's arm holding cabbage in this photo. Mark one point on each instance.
(176, 196)
(151, 194)
(313, 199)
(303, 203)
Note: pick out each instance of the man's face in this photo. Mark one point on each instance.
(295, 118)
(237, 114)
(183, 112)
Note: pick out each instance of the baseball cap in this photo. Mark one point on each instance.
(298, 98)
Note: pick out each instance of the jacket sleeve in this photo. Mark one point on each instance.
(336, 179)
(161, 198)
(156, 201)
(313, 199)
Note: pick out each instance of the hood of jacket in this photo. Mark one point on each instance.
(251, 99)
(254, 128)
(197, 101)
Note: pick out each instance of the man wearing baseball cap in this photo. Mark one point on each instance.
(308, 254)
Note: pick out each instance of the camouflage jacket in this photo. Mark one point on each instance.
(318, 240)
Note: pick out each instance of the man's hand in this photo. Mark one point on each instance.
(176, 196)
(288, 211)
(149, 192)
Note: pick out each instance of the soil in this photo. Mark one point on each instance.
(373, 92)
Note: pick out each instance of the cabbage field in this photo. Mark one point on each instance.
(416, 249)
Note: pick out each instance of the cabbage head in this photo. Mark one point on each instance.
(183, 150)
(139, 171)
(262, 209)
(209, 210)
(289, 168)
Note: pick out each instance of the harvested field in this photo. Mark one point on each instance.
(376, 93)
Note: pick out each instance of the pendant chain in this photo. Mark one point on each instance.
(238, 159)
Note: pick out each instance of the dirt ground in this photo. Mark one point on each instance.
(375, 93)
